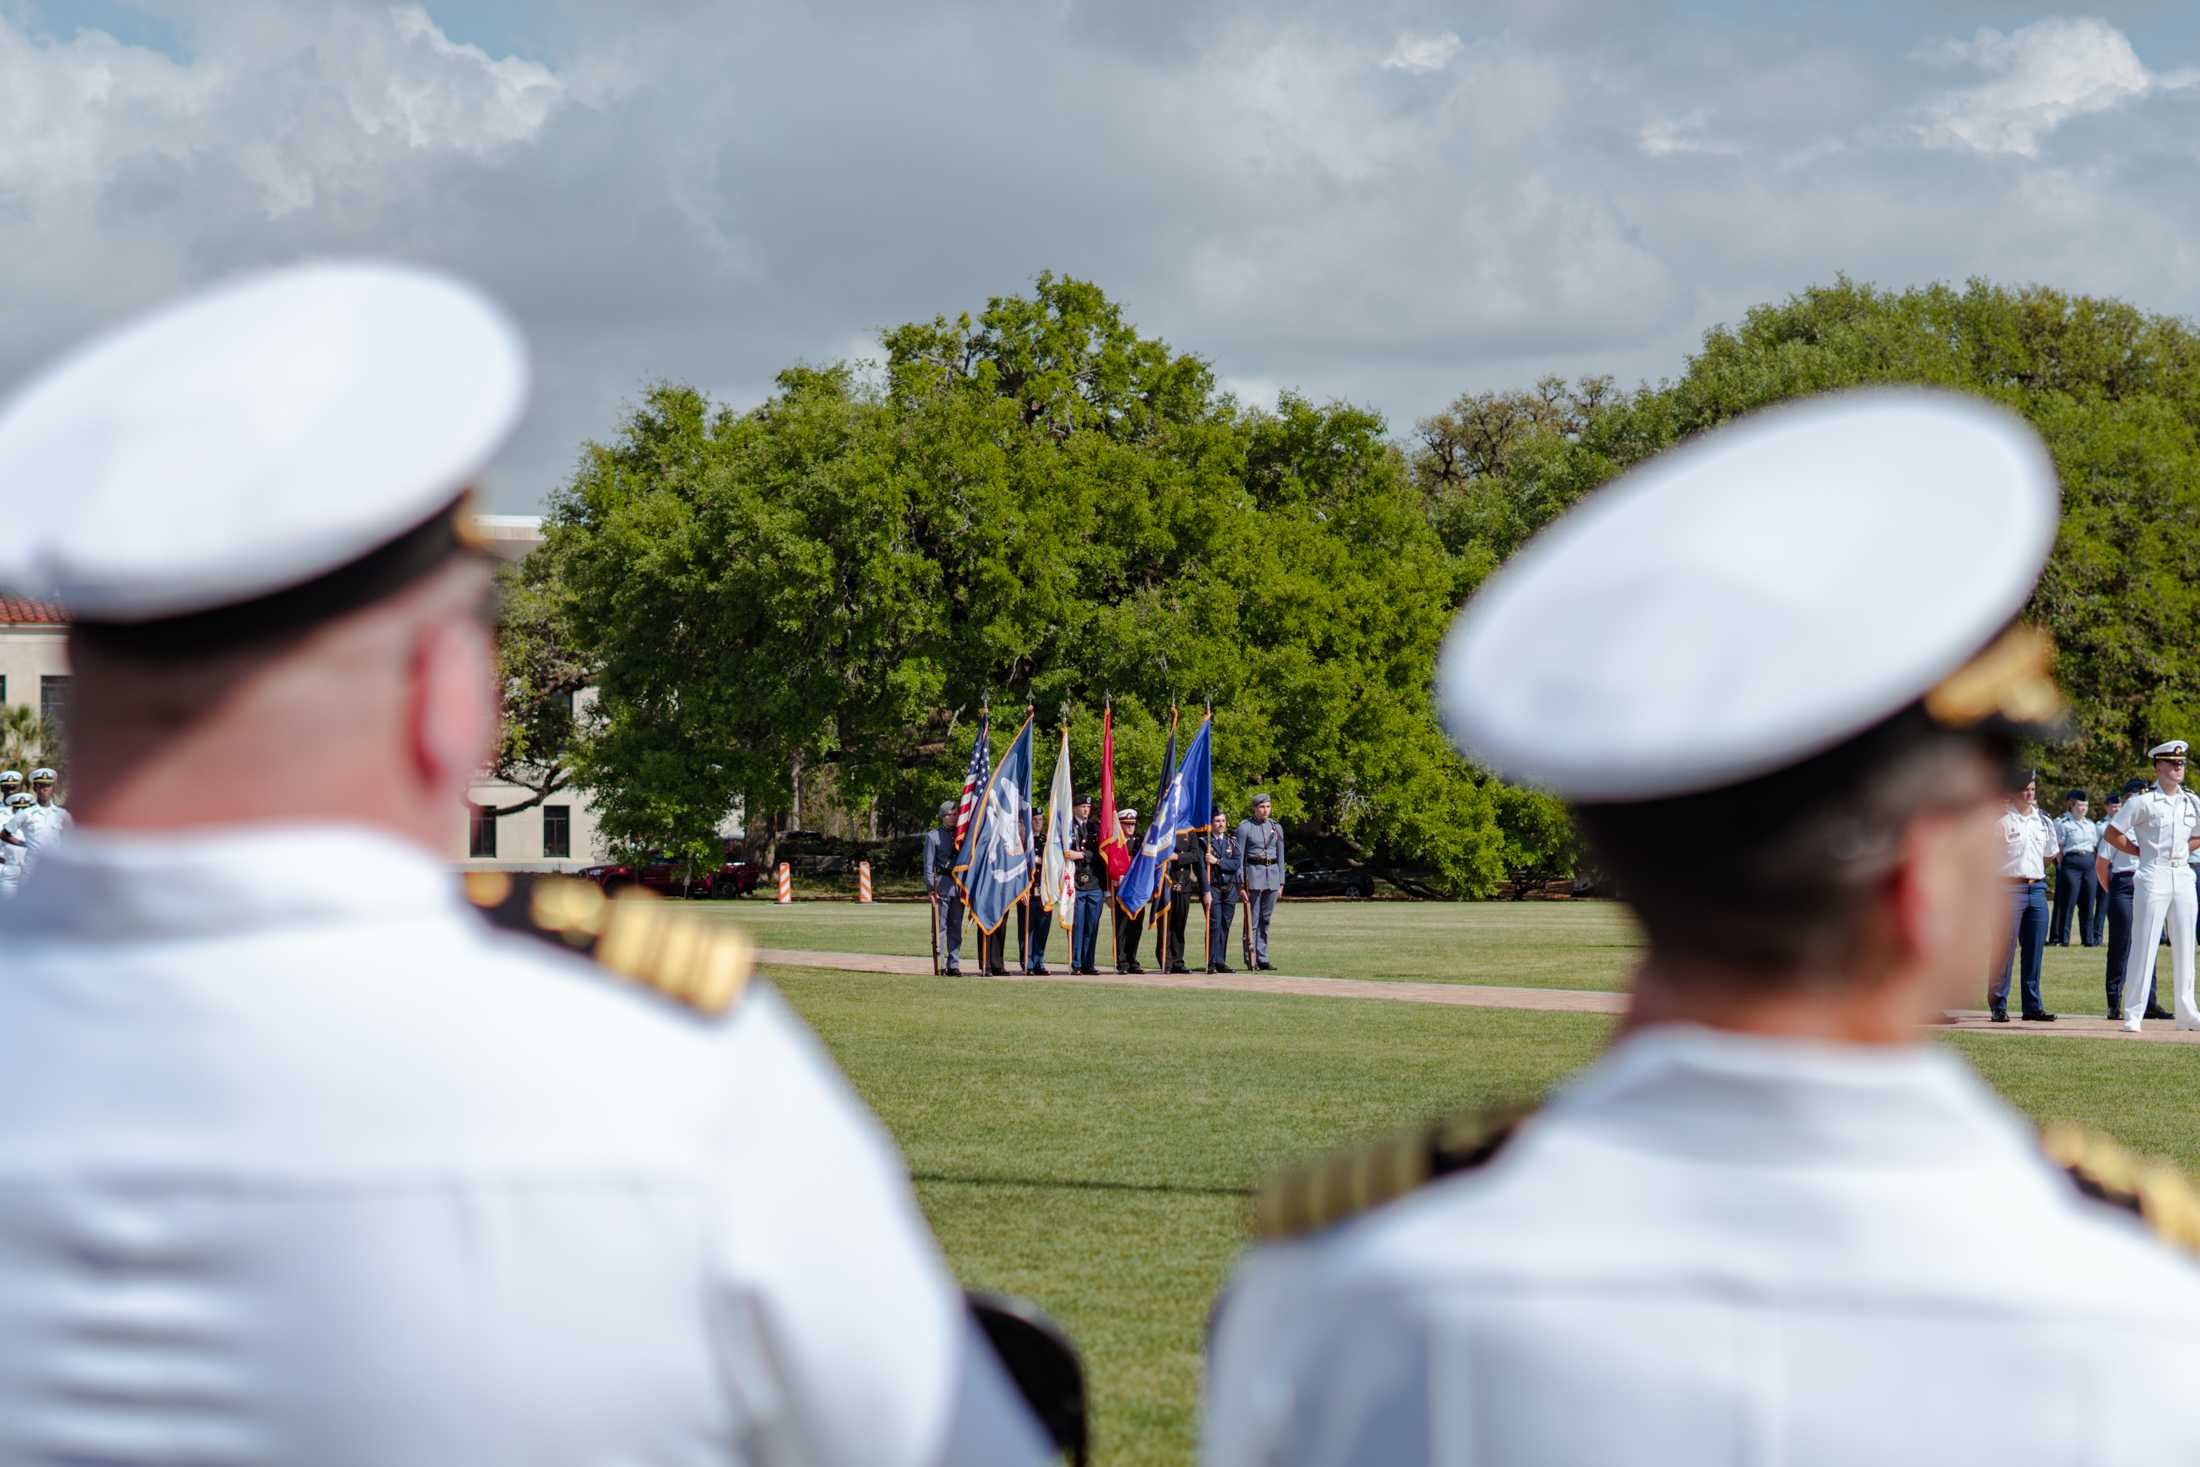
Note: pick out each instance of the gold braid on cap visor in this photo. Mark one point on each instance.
(2009, 682)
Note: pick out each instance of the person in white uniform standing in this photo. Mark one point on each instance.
(38, 822)
(2161, 826)
(12, 854)
(1751, 1233)
(306, 1160)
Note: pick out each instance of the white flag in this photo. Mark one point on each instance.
(1056, 877)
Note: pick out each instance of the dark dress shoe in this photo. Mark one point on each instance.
(1265, 966)
(2039, 1016)
(1178, 968)
(2156, 1011)
(2000, 1016)
(1220, 968)
(996, 972)
(1133, 968)
(1038, 972)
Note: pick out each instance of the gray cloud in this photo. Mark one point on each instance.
(1387, 203)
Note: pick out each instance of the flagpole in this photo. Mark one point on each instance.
(1161, 882)
(1114, 903)
(1023, 903)
(1206, 870)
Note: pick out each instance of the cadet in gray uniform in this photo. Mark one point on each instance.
(313, 1156)
(939, 885)
(1261, 841)
(1756, 1229)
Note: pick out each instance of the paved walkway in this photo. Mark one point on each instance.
(1456, 995)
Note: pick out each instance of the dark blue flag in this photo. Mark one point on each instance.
(993, 868)
(1184, 806)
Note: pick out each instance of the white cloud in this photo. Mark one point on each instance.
(304, 106)
(707, 192)
(1664, 135)
(2043, 75)
(1422, 53)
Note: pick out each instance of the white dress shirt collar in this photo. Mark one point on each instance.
(226, 880)
(1689, 1090)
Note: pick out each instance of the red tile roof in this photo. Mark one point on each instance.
(17, 609)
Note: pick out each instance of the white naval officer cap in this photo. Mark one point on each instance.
(290, 445)
(1761, 594)
(2174, 749)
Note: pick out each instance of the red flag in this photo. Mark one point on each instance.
(1112, 848)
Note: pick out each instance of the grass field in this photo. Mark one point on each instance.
(1584, 944)
(1091, 1147)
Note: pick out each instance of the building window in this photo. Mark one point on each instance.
(3, 687)
(53, 711)
(483, 839)
(557, 831)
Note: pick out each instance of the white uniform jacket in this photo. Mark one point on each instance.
(2162, 824)
(1720, 1251)
(35, 826)
(301, 1163)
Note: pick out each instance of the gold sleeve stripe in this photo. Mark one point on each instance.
(694, 961)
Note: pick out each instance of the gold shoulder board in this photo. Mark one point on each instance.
(2163, 1197)
(702, 965)
(1320, 1194)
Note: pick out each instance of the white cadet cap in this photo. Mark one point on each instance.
(2174, 749)
(253, 438)
(1125, 812)
(43, 776)
(1759, 595)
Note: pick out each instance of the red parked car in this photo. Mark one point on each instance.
(732, 878)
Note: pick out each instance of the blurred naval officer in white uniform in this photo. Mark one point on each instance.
(305, 1163)
(1770, 1226)
(2160, 825)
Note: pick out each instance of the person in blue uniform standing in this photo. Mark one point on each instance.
(1032, 917)
(2074, 885)
(1225, 869)
(939, 885)
(2113, 872)
(2029, 843)
(1090, 882)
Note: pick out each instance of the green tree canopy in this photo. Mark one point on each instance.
(2115, 393)
(1036, 506)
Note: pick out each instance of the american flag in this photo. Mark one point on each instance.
(981, 763)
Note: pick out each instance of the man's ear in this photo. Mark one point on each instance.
(1916, 910)
(453, 705)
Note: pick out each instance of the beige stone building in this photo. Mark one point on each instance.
(34, 661)
(557, 835)
(560, 833)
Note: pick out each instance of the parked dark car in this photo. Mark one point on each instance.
(732, 878)
(1328, 880)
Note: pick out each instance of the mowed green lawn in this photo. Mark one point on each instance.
(1576, 944)
(1529, 944)
(1091, 1147)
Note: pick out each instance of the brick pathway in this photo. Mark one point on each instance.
(1457, 995)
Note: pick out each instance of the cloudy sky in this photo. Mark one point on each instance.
(1379, 200)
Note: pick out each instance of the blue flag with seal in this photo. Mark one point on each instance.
(993, 868)
(1191, 794)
